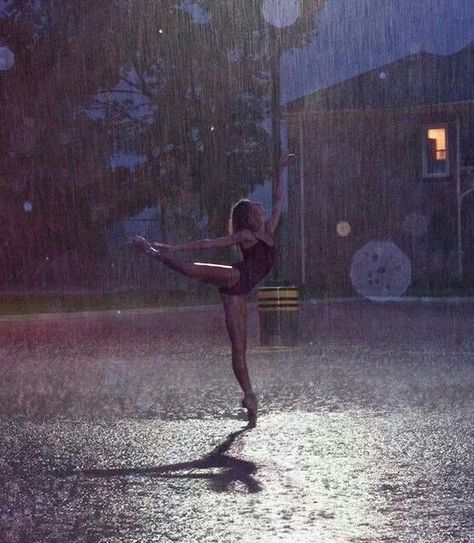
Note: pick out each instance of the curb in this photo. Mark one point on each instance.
(454, 300)
(399, 299)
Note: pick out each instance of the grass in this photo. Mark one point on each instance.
(22, 303)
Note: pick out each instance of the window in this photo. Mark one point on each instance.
(435, 151)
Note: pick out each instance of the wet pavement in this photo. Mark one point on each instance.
(127, 427)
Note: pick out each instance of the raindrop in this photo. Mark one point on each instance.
(281, 13)
(234, 55)
(7, 58)
(27, 207)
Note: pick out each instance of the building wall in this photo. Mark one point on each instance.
(366, 169)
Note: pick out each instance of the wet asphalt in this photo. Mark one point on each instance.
(127, 426)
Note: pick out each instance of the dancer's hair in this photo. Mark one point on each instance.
(239, 216)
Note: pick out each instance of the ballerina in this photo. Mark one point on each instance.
(254, 234)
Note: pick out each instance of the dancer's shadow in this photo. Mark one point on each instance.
(233, 469)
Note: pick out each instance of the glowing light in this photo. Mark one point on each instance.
(380, 270)
(212, 128)
(343, 229)
(437, 138)
(7, 58)
(27, 207)
(382, 75)
(281, 13)
(160, 31)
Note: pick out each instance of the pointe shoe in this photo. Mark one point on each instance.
(250, 403)
(145, 246)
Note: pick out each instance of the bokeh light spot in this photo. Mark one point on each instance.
(27, 207)
(281, 13)
(416, 224)
(343, 229)
(197, 13)
(380, 270)
(7, 58)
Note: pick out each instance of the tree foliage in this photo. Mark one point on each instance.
(184, 85)
(194, 92)
(50, 154)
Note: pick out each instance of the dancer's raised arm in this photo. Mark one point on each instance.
(277, 207)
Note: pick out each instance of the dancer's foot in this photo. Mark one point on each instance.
(250, 403)
(145, 246)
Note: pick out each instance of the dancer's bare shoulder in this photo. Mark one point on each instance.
(263, 234)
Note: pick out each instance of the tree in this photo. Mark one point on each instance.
(194, 93)
(50, 154)
(186, 85)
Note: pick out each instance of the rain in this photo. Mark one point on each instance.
(237, 271)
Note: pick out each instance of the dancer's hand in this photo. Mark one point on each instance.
(287, 160)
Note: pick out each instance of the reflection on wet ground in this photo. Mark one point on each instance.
(138, 437)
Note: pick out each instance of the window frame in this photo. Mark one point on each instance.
(424, 145)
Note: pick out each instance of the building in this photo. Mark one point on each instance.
(387, 155)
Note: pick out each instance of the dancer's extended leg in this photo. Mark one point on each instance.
(215, 274)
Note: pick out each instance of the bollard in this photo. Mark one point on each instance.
(278, 315)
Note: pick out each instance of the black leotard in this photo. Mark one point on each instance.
(258, 260)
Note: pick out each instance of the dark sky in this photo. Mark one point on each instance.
(358, 35)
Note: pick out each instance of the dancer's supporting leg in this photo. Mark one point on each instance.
(235, 308)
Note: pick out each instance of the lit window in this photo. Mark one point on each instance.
(435, 151)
